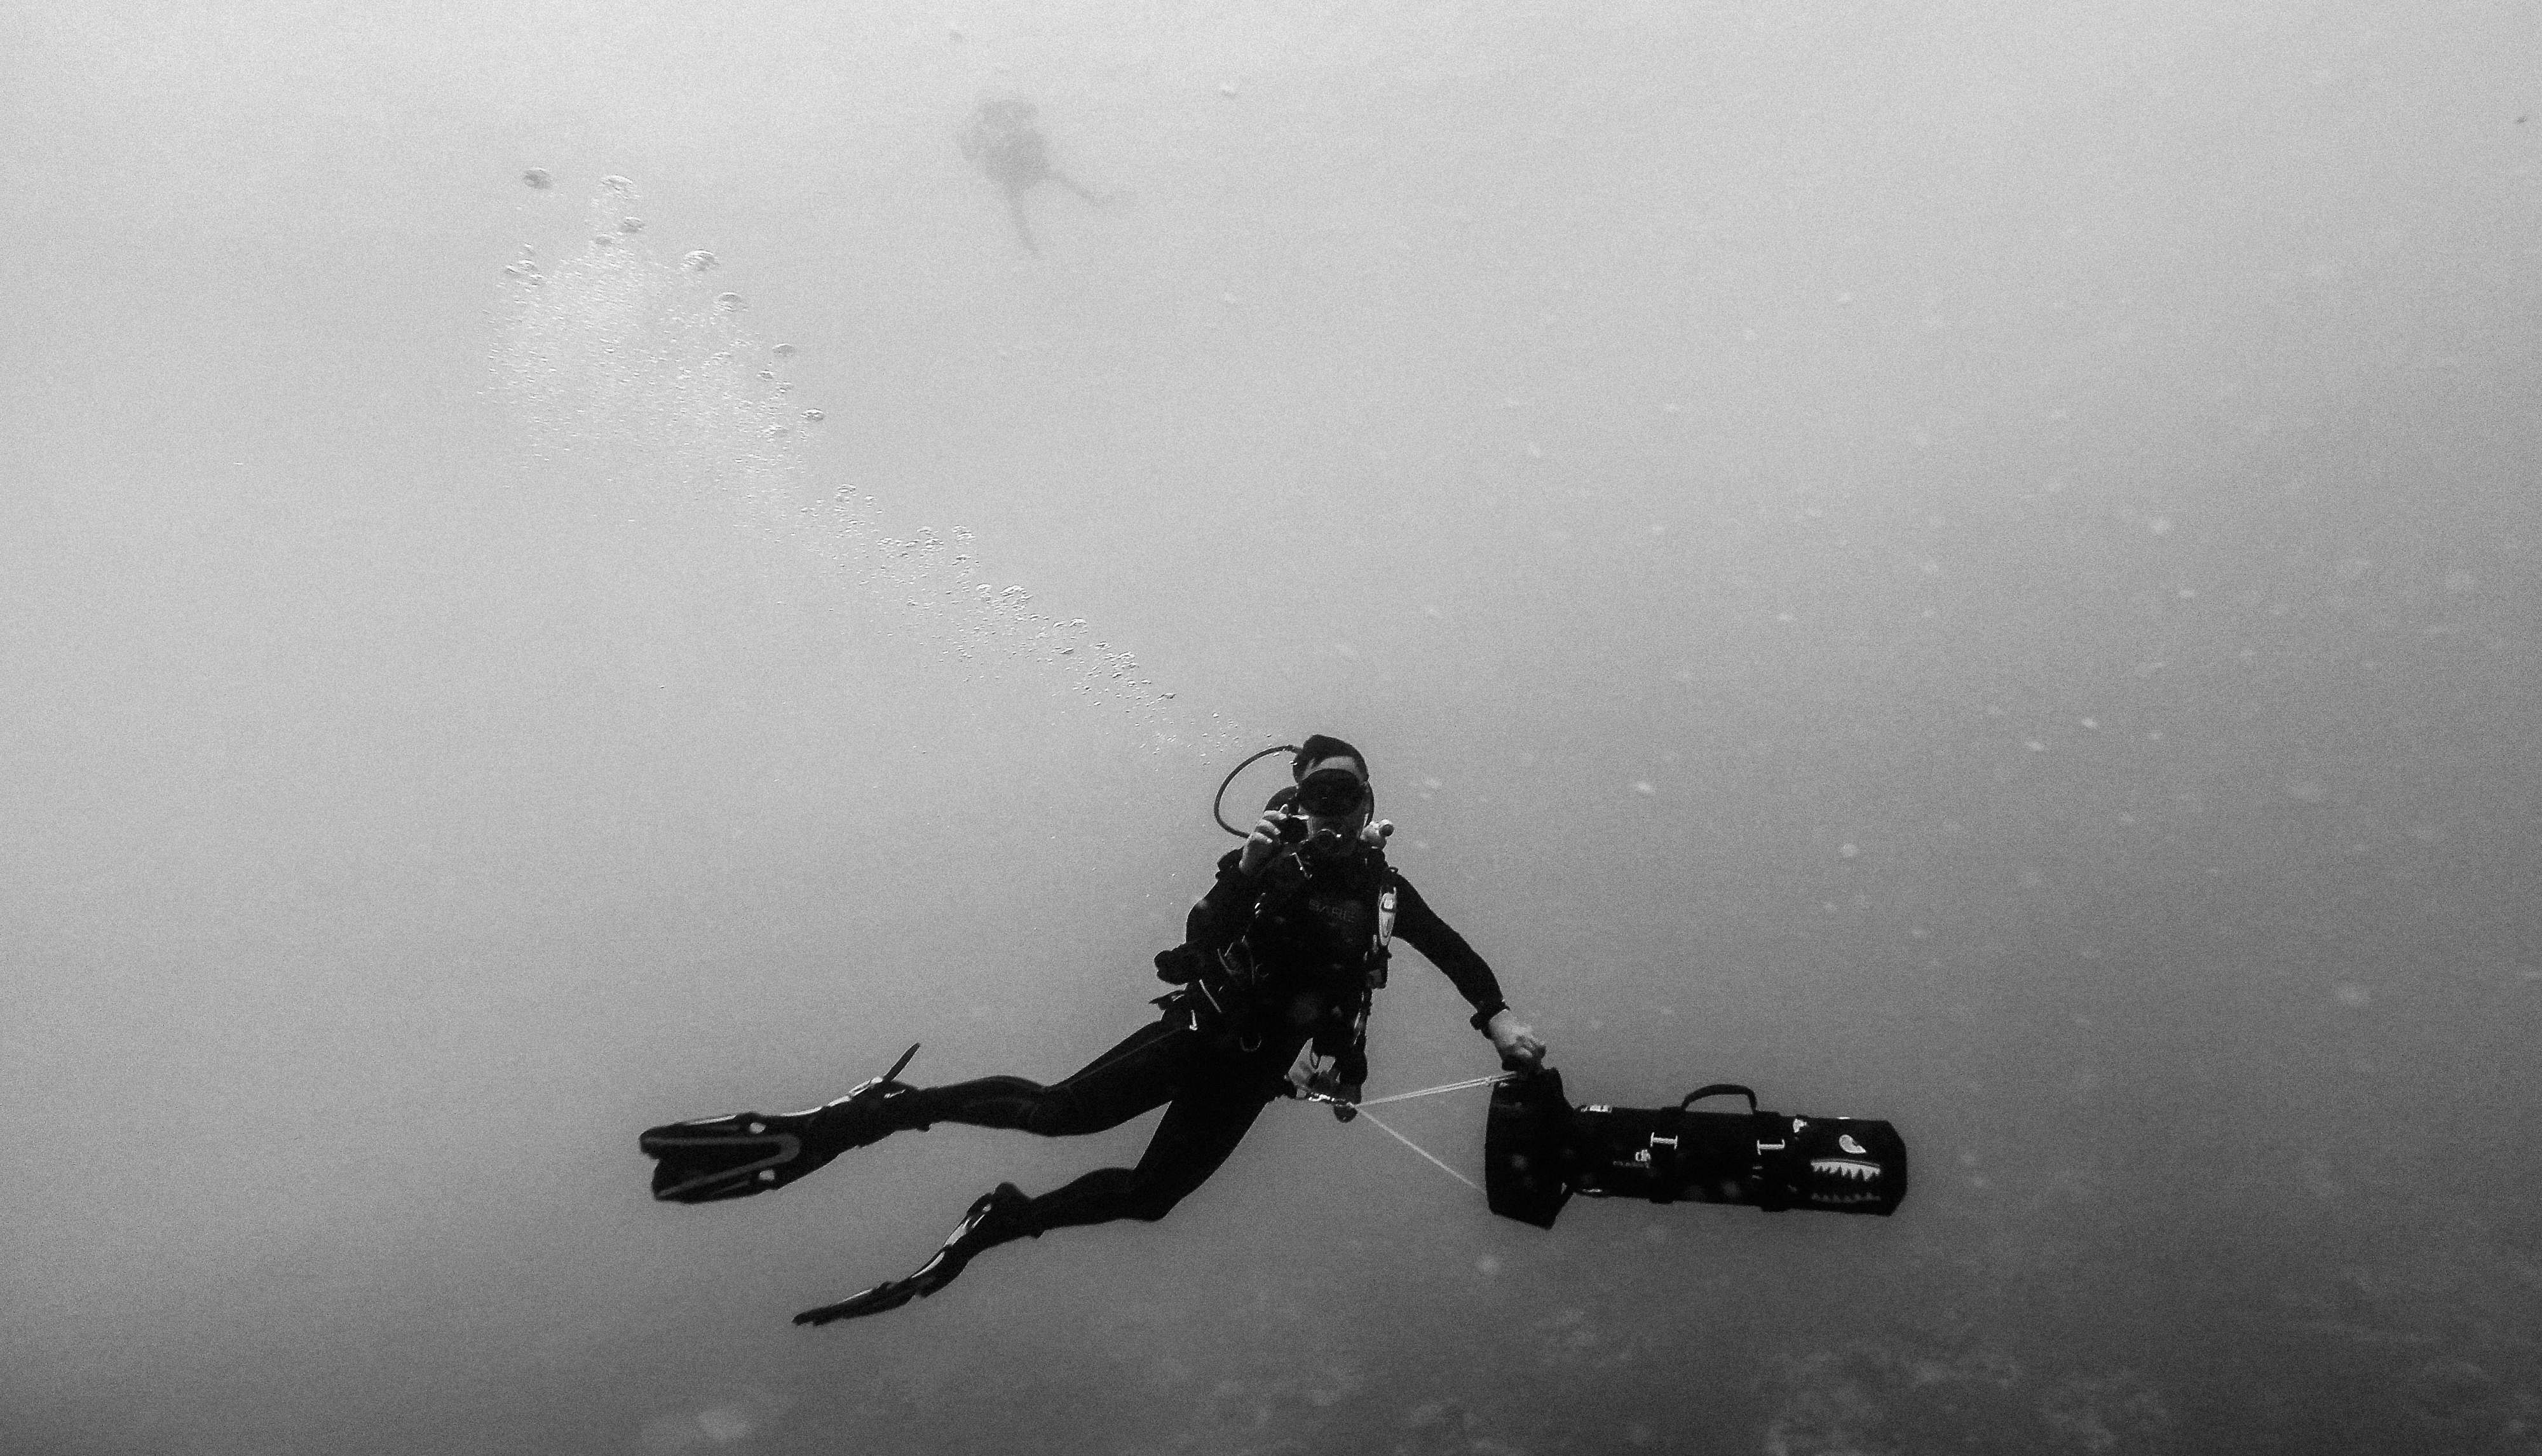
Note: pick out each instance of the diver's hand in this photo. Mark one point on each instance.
(1515, 1040)
(1319, 1077)
(1262, 845)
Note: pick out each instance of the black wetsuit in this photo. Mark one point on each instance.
(1309, 930)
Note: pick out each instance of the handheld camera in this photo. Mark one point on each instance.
(1295, 829)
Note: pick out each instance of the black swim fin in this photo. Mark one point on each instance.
(994, 1217)
(732, 1157)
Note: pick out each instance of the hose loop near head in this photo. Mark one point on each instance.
(1217, 804)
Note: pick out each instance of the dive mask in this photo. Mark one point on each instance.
(1331, 794)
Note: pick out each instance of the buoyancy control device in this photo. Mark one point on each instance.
(1538, 1150)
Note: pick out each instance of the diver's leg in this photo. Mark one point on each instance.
(1143, 1072)
(1201, 1128)
(1198, 1133)
(1023, 229)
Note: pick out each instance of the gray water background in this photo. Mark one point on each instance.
(1967, 563)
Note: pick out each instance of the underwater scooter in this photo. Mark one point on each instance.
(1538, 1150)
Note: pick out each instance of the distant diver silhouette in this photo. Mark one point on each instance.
(1001, 140)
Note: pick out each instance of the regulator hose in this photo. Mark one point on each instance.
(1217, 804)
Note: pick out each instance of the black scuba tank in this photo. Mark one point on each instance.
(1538, 1150)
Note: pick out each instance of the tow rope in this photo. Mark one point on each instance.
(1361, 1109)
(1442, 1086)
(1424, 1152)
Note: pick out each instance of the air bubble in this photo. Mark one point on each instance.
(618, 355)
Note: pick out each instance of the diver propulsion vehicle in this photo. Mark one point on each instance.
(1538, 1150)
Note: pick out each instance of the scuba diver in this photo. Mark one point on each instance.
(1002, 140)
(1272, 989)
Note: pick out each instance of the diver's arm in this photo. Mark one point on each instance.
(1070, 183)
(1420, 927)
